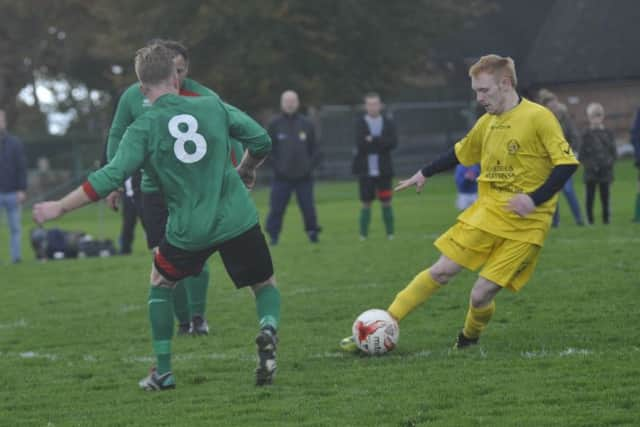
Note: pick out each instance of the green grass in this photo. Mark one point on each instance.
(74, 335)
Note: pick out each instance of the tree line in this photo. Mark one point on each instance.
(331, 51)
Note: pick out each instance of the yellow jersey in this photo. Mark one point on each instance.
(517, 151)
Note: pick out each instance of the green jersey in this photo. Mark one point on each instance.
(133, 104)
(184, 145)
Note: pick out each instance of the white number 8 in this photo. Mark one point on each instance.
(190, 135)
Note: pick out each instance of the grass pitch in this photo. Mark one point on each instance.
(74, 335)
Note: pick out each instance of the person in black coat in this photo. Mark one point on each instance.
(598, 154)
(375, 139)
(294, 156)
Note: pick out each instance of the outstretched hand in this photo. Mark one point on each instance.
(46, 211)
(521, 204)
(417, 179)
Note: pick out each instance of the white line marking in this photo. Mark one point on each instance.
(17, 324)
(129, 308)
(536, 354)
(34, 355)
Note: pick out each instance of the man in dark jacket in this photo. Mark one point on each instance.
(375, 138)
(13, 183)
(293, 156)
(131, 210)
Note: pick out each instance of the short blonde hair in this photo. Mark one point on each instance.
(500, 66)
(154, 64)
(595, 109)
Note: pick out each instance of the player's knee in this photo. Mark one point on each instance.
(442, 272)
(481, 297)
(158, 280)
(440, 275)
(271, 281)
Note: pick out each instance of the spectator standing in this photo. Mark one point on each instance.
(597, 155)
(375, 138)
(550, 100)
(131, 210)
(13, 184)
(466, 185)
(293, 157)
(635, 141)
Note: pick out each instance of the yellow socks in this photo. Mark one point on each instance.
(421, 288)
(477, 319)
(417, 292)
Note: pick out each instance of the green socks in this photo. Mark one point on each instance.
(636, 216)
(387, 216)
(181, 302)
(268, 306)
(197, 287)
(161, 317)
(190, 296)
(365, 219)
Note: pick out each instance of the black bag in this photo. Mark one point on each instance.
(59, 244)
(93, 248)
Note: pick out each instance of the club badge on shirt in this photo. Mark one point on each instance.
(513, 146)
(302, 136)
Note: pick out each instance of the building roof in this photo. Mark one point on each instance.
(551, 41)
(586, 40)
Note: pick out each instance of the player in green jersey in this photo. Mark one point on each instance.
(190, 295)
(183, 143)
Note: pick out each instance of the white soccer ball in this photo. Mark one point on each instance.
(376, 332)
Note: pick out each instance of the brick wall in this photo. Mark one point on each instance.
(620, 99)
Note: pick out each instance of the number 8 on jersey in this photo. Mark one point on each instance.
(190, 135)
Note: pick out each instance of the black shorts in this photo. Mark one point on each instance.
(379, 186)
(154, 218)
(246, 258)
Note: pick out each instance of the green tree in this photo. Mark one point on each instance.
(45, 42)
(330, 50)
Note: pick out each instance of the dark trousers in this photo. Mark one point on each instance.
(572, 199)
(131, 210)
(280, 195)
(604, 200)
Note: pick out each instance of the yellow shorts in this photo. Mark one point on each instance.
(507, 263)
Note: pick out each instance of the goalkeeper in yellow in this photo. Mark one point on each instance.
(525, 160)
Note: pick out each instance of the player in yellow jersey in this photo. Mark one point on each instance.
(524, 161)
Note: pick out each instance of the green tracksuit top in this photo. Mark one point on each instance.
(132, 104)
(184, 145)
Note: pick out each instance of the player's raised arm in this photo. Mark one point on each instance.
(444, 162)
(100, 183)
(46, 211)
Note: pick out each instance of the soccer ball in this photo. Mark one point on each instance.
(376, 332)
